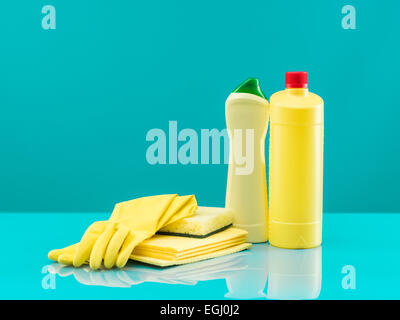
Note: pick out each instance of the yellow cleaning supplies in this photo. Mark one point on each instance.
(246, 194)
(295, 165)
(164, 250)
(204, 222)
(130, 223)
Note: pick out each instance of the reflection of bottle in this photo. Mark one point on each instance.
(294, 274)
(295, 165)
(247, 121)
(250, 282)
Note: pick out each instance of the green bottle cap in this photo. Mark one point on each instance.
(252, 86)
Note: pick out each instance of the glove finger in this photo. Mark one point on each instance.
(66, 258)
(125, 251)
(54, 254)
(130, 243)
(114, 246)
(84, 248)
(99, 248)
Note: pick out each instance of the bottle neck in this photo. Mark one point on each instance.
(297, 91)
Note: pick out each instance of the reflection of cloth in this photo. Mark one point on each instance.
(133, 274)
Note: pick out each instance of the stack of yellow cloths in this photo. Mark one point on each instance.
(168, 250)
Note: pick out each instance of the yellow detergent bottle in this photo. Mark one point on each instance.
(246, 111)
(295, 165)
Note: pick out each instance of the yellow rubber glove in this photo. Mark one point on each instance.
(130, 223)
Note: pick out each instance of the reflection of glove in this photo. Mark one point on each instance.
(120, 278)
(109, 278)
(130, 223)
(188, 274)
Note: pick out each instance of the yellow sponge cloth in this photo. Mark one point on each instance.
(205, 222)
(164, 250)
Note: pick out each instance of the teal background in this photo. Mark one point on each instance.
(76, 102)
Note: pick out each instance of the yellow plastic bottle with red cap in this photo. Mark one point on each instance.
(295, 165)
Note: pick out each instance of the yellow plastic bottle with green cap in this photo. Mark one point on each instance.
(246, 111)
(295, 165)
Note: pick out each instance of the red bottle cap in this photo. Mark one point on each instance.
(296, 80)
